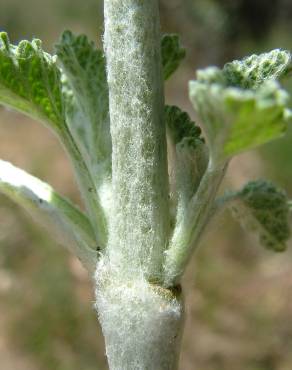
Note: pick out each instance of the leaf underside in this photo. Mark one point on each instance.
(64, 221)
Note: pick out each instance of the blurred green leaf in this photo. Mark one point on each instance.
(172, 54)
(263, 208)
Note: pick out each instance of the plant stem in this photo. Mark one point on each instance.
(140, 216)
(141, 321)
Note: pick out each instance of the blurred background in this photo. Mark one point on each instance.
(238, 296)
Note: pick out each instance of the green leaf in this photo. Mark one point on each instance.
(188, 155)
(251, 72)
(242, 106)
(30, 81)
(172, 54)
(63, 220)
(263, 208)
(87, 94)
(180, 125)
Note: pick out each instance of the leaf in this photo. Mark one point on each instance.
(242, 106)
(87, 94)
(63, 220)
(172, 54)
(188, 157)
(263, 208)
(253, 71)
(30, 81)
(180, 125)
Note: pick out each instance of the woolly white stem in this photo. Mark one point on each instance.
(140, 215)
(141, 321)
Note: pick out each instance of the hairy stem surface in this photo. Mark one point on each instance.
(141, 321)
(140, 219)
